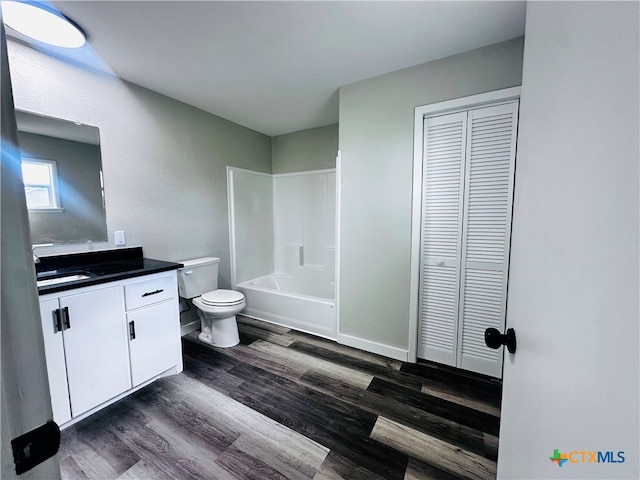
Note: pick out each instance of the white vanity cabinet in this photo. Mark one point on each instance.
(104, 341)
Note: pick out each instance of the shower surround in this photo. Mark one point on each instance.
(282, 237)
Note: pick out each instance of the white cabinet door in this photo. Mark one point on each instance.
(152, 340)
(54, 353)
(95, 343)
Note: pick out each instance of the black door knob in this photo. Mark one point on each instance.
(494, 339)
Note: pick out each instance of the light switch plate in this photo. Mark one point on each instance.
(120, 239)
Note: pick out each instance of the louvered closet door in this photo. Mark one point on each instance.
(442, 197)
(490, 165)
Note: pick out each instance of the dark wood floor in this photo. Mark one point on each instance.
(283, 404)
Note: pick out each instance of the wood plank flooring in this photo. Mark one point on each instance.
(286, 405)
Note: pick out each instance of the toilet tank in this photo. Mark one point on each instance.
(198, 276)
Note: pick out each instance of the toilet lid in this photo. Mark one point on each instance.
(222, 297)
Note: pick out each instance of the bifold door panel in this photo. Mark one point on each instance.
(443, 193)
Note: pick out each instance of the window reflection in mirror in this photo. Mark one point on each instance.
(62, 172)
(40, 179)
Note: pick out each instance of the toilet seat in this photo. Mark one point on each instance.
(222, 298)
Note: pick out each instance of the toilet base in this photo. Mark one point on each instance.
(219, 332)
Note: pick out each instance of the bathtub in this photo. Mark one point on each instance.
(303, 302)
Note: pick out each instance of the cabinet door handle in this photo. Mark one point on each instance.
(153, 293)
(65, 318)
(132, 330)
(57, 321)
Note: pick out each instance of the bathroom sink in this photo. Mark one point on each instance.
(63, 279)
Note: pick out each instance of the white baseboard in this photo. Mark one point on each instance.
(373, 347)
(186, 328)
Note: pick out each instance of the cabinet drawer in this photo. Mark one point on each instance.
(149, 290)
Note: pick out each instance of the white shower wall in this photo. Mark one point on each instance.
(304, 221)
(282, 223)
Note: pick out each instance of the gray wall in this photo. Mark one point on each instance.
(313, 149)
(164, 162)
(78, 169)
(376, 143)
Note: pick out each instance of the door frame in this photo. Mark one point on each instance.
(421, 112)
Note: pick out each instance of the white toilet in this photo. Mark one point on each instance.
(217, 309)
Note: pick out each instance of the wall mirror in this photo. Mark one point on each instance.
(62, 172)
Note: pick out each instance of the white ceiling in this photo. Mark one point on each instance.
(275, 67)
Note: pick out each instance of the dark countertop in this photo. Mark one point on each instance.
(101, 267)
